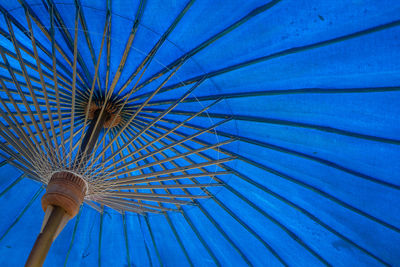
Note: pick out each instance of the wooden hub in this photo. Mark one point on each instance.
(111, 109)
(65, 190)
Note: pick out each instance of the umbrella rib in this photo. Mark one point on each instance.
(74, 83)
(36, 88)
(178, 156)
(21, 102)
(126, 204)
(153, 208)
(17, 127)
(87, 37)
(118, 207)
(108, 52)
(158, 179)
(286, 123)
(50, 115)
(56, 90)
(168, 186)
(40, 25)
(40, 45)
(181, 135)
(23, 99)
(212, 39)
(95, 182)
(33, 158)
(149, 57)
(275, 55)
(96, 190)
(31, 91)
(57, 135)
(15, 142)
(135, 195)
(292, 152)
(18, 130)
(188, 138)
(30, 53)
(128, 180)
(92, 89)
(163, 178)
(31, 66)
(171, 177)
(66, 36)
(128, 44)
(148, 205)
(153, 193)
(164, 168)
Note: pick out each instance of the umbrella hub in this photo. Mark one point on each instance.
(114, 119)
(66, 190)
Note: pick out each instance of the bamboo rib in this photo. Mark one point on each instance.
(93, 85)
(73, 83)
(44, 31)
(170, 131)
(31, 92)
(128, 46)
(54, 61)
(132, 117)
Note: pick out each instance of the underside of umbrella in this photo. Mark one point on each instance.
(200, 133)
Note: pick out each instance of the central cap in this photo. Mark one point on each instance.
(65, 190)
(113, 120)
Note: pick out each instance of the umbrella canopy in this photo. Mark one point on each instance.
(228, 133)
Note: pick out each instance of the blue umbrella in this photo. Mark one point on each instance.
(199, 133)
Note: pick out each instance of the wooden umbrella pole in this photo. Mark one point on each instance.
(46, 237)
(64, 195)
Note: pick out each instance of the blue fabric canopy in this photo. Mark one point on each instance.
(261, 133)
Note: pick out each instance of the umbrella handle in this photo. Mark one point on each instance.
(55, 222)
